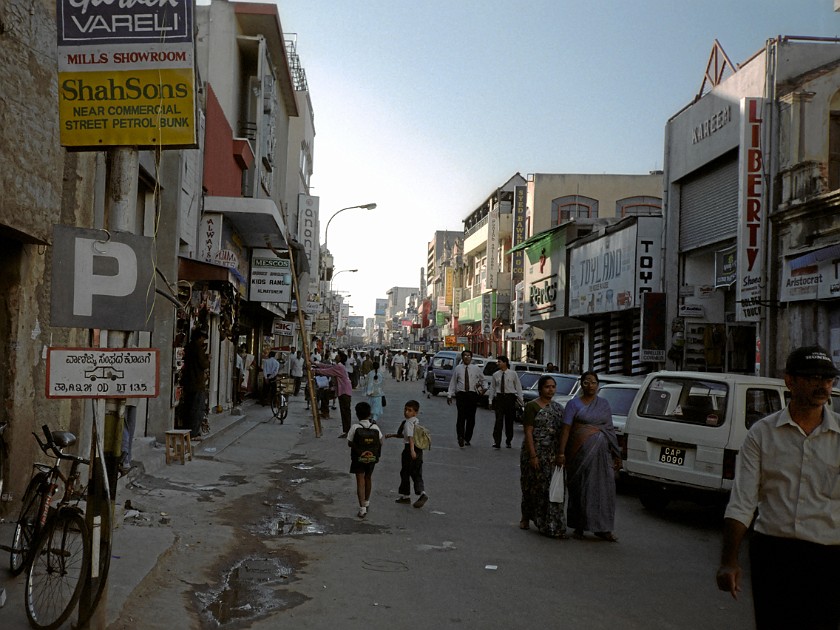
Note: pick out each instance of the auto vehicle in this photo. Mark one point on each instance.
(685, 429)
(491, 367)
(603, 379)
(443, 364)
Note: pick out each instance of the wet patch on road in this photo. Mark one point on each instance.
(252, 588)
(287, 521)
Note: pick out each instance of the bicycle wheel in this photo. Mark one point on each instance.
(57, 572)
(278, 405)
(27, 523)
(284, 408)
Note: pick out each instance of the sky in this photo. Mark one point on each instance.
(426, 107)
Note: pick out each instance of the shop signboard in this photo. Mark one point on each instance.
(271, 277)
(126, 73)
(752, 212)
(654, 333)
(545, 276)
(602, 274)
(492, 248)
(726, 269)
(283, 328)
(517, 265)
(487, 314)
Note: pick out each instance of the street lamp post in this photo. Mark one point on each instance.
(366, 206)
(332, 293)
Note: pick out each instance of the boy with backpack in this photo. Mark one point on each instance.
(365, 441)
(412, 457)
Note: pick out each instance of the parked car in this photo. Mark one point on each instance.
(620, 396)
(491, 367)
(565, 384)
(685, 429)
(603, 379)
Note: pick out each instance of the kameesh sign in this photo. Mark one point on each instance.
(126, 73)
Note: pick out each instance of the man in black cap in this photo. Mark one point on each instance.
(788, 471)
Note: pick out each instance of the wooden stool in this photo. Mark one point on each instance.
(178, 445)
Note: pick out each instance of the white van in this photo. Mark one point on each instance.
(685, 429)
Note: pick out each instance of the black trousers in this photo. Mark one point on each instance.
(411, 470)
(466, 403)
(795, 583)
(505, 407)
(344, 409)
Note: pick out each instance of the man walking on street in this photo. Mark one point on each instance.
(296, 369)
(344, 389)
(465, 387)
(788, 473)
(504, 395)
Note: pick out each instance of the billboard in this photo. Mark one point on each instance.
(381, 307)
(271, 277)
(126, 73)
(356, 321)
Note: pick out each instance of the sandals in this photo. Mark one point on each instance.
(608, 536)
(523, 524)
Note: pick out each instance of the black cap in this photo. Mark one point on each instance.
(810, 360)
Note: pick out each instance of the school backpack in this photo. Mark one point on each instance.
(367, 446)
(422, 437)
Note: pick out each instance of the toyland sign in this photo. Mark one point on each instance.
(752, 212)
(126, 73)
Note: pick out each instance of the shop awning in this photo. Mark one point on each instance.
(258, 221)
(542, 237)
(815, 256)
(196, 271)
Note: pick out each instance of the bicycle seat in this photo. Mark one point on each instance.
(63, 439)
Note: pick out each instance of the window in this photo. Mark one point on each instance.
(686, 401)
(638, 207)
(760, 403)
(573, 207)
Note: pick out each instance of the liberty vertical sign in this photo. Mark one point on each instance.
(752, 212)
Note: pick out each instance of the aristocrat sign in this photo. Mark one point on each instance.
(126, 73)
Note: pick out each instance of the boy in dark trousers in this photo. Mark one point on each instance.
(363, 458)
(412, 458)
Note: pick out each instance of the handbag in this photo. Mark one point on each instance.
(557, 488)
(384, 402)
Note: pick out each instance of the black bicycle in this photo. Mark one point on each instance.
(279, 400)
(53, 544)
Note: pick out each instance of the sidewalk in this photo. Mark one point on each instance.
(137, 549)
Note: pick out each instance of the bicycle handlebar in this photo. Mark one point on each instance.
(51, 446)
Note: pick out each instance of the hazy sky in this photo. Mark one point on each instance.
(426, 107)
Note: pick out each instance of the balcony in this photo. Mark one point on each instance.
(476, 237)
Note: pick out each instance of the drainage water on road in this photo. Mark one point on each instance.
(286, 521)
(252, 588)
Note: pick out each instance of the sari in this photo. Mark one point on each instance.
(590, 477)
(374, 393)
(546, 422)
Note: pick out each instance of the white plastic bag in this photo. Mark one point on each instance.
(557, 489)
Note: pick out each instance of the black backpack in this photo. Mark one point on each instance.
(367, 446)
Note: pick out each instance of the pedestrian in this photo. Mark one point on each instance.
(194, 381)
(343, 387)
(412, 368)
(350, 366)
(787, 485)
(375, 392)
(367, 366)
(589, 450)
(365, 441)
(465, 387)
(296, 369)
(239, 375)
(270, 368)
(542, 420)
(504, 395)
(550, 368)
(399, 366)
(324, 393)
(429, 381)
(411, 462)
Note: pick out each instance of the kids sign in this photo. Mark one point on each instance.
(126, 73)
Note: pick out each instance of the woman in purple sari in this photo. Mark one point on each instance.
(590, 452)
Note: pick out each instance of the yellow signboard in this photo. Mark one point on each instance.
(139, 107)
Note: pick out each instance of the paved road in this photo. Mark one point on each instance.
(261, 532)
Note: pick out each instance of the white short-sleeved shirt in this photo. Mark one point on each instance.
(362, 423)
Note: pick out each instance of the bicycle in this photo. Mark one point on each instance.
(52, 543)
(279, 400)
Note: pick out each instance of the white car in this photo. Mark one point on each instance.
(603, 379)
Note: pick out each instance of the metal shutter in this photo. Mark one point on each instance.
(709, 204)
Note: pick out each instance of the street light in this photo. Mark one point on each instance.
(366, 206)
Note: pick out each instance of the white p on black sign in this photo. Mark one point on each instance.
(102, 280)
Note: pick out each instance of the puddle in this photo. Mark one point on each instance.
(302, 467)
(447, 545)
(252, 588)
(285, 521)
(296, 482)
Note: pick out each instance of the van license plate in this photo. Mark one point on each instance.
(669, 455)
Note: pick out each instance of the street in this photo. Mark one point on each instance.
(260, 531)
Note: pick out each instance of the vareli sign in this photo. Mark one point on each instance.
(126, 73)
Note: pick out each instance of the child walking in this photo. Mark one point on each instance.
(365, 441)
(412, 458)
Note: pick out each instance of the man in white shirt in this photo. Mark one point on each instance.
(787, 478)
(465, 386)
(296, 369)
(399, 366)
(505, 394)
(270, 368)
